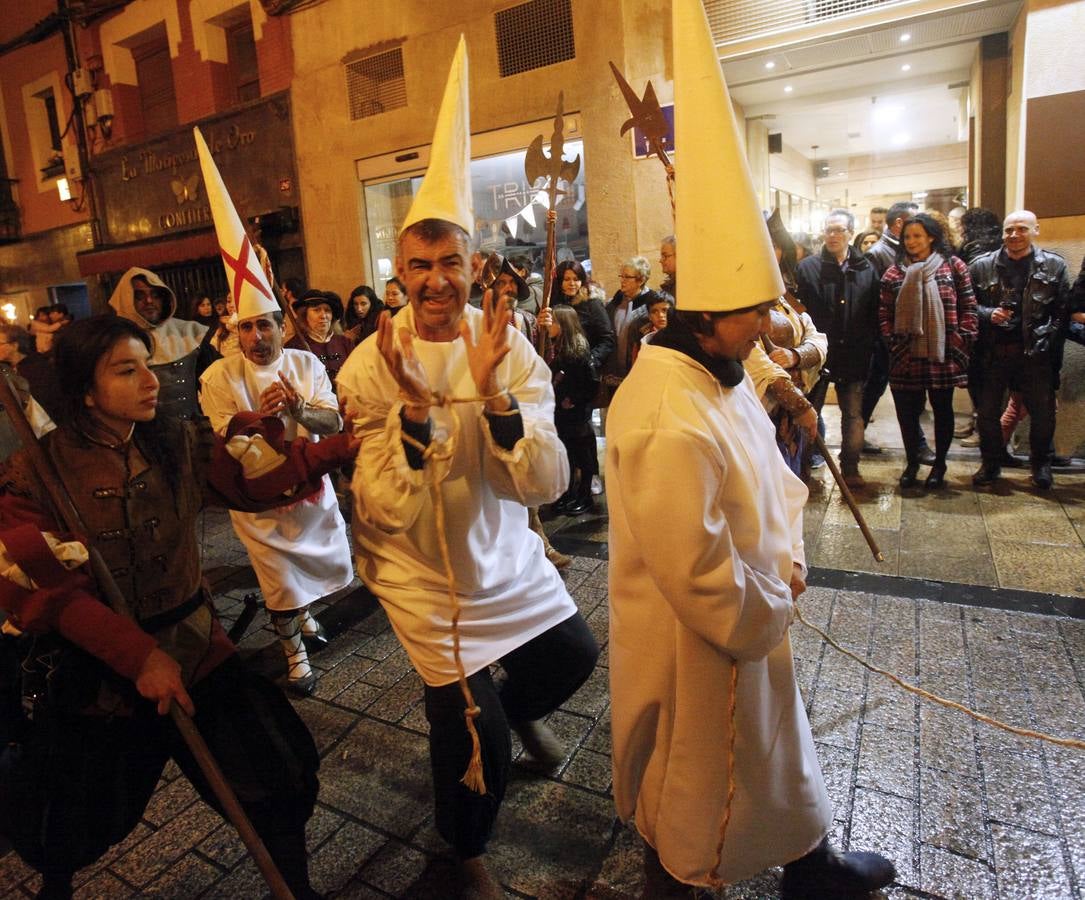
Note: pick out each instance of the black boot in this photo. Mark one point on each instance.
(908, 476)
(936, 479)
(659, 884)
(583, 502)
(987, 473)
(287, 851)
(55, 887)
(826, 874)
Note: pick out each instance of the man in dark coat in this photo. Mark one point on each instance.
(840, 291)
(1022, 297)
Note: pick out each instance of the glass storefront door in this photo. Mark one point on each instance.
(510, 214)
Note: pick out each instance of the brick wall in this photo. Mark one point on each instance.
(276, 55)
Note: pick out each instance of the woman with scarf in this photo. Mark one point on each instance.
(928, 319)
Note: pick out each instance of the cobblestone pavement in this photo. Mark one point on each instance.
(964, 810)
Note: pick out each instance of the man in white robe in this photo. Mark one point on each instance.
(489, 460)
(300, 553)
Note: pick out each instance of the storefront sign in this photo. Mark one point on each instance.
(156, 189)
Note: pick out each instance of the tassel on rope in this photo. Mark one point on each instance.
(714, 876)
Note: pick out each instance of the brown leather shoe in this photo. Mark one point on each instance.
(541, 744)
(477, 882)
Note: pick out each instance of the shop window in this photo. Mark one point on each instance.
(244, 70)
(45, 128)
(534, 34)
(375, 84)
(157, 96)
(510, 214)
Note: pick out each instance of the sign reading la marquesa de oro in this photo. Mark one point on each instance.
(155, 189)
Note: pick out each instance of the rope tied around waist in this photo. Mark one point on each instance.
(473, 777)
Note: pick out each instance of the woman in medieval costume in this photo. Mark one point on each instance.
(85, 765)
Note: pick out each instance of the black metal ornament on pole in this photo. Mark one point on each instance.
(554, 168)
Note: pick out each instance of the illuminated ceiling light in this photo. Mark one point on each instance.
(887, 113)
(904, 38)
(770, 65)
(907, 67)
(788, 89)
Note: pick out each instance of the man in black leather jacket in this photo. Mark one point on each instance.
(1022, 296)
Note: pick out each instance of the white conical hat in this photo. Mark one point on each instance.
(248, 283)
(725, 257)
(446, 189)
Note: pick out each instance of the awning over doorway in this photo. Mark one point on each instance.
(148, 254)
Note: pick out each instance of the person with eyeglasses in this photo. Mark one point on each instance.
(839, 288)
(1022, 295)
(627, 306)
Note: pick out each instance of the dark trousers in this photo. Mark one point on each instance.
(80, 784)
(877, 379)
(909, 404)
(1007, 368)
(542, 674)
(580, 446)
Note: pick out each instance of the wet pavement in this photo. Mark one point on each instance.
(964, 810)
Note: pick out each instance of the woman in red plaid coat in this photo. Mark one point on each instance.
(928, 319)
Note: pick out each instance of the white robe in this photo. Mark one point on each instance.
(705, 522)
(508, 591)
(300, 553)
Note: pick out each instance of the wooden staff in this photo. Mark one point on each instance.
(845, 491)
(280, 294)
(69, 515)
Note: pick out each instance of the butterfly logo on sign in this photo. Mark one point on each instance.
(186, 190)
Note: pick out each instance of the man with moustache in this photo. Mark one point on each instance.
(299, 553)
(179, 354)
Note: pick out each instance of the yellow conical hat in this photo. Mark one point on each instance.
(248, 283)
(725, 257)
(446, 189)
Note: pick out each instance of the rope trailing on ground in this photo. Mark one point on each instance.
(472, 778)
(1073, 743)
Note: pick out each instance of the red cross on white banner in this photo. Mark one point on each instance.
(242, 272)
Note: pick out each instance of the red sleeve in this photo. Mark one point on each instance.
(65, 603)
(305, 465)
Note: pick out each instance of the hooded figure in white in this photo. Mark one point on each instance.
(706, 554)
(175, 342)
(172, 338)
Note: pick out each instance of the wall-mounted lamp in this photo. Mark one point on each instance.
(8, 312)
(64, 189)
